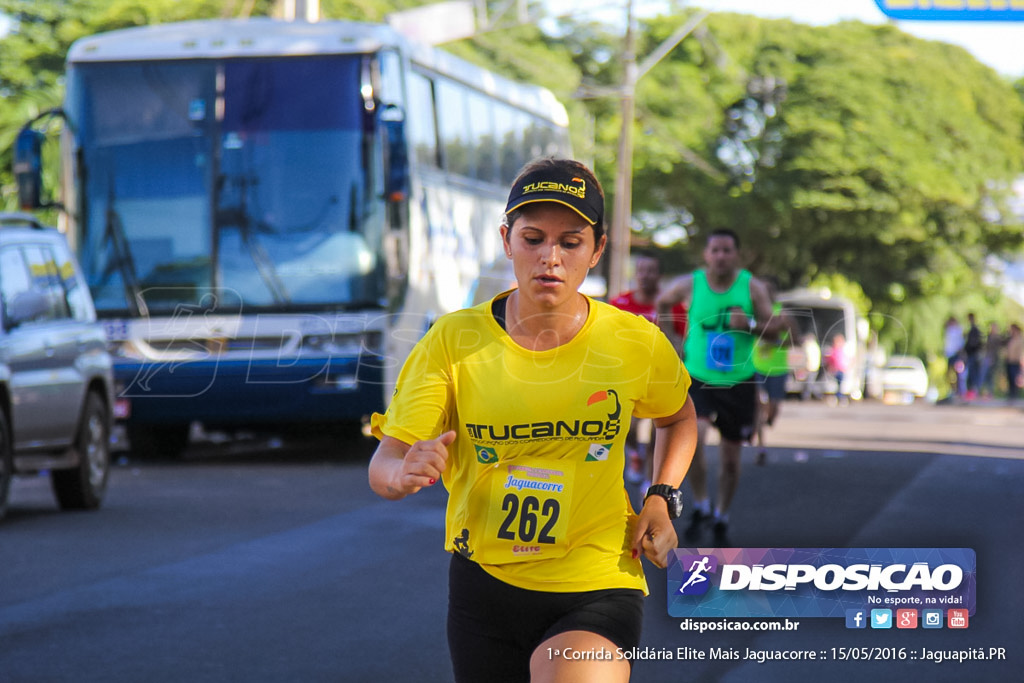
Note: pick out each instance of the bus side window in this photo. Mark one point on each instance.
(481, 131)
(421, 121)
(509, 124)
(454, 127)
(539, 139)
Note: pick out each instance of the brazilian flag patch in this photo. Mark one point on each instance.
(485, 456)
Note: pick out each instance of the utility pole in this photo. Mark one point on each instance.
(618, 238)
(618, 233)
(298, 10)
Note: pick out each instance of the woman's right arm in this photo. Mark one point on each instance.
(398, 469)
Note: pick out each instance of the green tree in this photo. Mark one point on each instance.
(888, 161)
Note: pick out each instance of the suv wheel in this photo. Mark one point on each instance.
(6, 464)
(83, 486)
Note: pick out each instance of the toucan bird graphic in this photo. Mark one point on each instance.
(598, 396)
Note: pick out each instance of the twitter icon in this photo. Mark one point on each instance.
(881, 618)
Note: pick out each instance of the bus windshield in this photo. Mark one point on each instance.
(247, 176)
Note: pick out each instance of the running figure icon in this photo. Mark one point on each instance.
(696, 570)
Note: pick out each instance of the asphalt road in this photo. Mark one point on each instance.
(274, 562)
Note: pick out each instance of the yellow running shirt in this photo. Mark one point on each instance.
(534, 475)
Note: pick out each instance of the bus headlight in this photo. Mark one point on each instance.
(125, 349)
(353, 344)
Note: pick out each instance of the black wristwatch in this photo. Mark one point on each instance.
(674, 498)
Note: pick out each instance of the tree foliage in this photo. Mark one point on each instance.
(848, 152)
(890, 157)
(889, 146)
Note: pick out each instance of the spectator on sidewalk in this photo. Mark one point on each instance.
(805, 359)
(973, 345)
(837, 362)
(1014, 352)
(953, 348)
(993, 349)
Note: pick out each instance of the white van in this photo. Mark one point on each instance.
(821, 316)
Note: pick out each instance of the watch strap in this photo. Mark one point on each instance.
(672, 497)
(663, 490)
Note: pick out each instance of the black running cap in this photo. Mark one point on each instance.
(561, 186)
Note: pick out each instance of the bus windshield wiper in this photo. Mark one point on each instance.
(122, 261)
(239, 217)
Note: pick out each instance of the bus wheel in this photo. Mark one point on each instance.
(157, 441)
(82, 487)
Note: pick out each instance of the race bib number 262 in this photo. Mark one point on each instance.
(528, 512)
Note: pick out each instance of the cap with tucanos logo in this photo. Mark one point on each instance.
(561, 186)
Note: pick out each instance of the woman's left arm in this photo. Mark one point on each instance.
(674, 443)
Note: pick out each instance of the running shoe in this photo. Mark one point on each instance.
(720, 532)
(692, 533)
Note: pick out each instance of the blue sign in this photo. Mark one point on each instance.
(866, 585)
(953, 10)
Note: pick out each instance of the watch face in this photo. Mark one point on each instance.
(675, 504)
(674, 498)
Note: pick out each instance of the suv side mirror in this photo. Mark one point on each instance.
(28, 168)
(27, 307)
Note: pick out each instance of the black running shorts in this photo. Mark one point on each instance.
(731, 409)
(774, 386)
(493, 628)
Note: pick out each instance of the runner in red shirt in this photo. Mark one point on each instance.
(641, 301)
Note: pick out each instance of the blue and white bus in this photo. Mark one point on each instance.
(270, 214)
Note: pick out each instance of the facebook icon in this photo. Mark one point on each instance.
(856, 618)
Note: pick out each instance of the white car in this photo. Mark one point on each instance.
(903, 377)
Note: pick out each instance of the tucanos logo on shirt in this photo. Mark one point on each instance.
(599, 431)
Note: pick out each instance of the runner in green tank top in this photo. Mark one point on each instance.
(716, 353)
(728, 310)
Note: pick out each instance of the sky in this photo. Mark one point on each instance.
(997, 44)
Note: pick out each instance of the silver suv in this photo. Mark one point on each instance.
(56, 379)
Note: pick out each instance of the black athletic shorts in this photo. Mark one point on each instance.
(774, 386)
(731, 409)
(493, 628)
